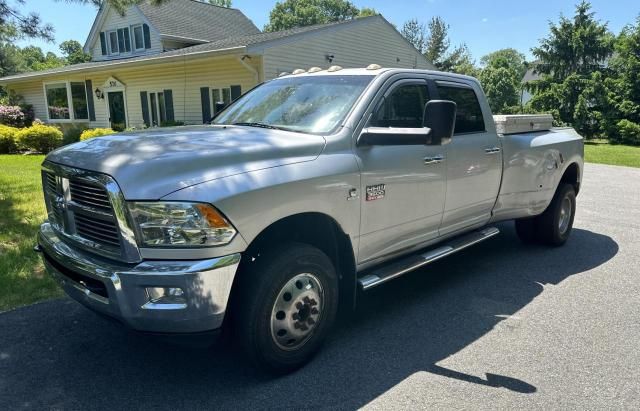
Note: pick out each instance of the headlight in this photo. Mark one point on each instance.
(167, 224)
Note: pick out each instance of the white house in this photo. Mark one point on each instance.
(163, 64)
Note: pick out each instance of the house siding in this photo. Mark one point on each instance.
(184, 78)
(357, 45)
(113, 21)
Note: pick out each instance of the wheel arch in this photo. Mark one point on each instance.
(317, 229)
(571, 176)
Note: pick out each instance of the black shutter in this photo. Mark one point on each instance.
(121, 41)
(103, 43)
(92, 110)
(236, 91)
(145, 107)
(206, 105)
(127, 39)
(147, 36)
(168, 102)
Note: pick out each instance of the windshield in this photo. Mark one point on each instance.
(309, 104)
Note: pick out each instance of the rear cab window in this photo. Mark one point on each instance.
(469, 118)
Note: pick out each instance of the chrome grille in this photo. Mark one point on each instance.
(80, 208)
(99, 231)
(89, 194)
(87, 210)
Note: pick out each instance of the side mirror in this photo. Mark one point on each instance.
(440, 119)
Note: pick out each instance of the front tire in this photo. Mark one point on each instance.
(287, 304)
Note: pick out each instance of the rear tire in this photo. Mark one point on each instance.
(286, 306)
(554, 225)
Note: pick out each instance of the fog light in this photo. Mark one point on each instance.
(165, 298)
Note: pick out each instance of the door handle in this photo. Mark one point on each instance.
(492, 150)
(434, 160)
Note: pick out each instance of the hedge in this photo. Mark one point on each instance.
(39, 138)
(95, 132)
(8, 143)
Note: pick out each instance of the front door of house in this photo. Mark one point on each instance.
(117, 112)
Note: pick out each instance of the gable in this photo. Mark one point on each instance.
(353, 44)
(115, 36)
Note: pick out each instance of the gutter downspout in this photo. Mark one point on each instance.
(252, 70)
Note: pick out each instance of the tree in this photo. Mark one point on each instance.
(572, 61)
(623, 87)
(438, 41)
(416, 33)
(512, 58)
(221, 3)
(501, 78)
(578, 46)
(501, 82)
(433, 42)
(297, 13)
(73, 53)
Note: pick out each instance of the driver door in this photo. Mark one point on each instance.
(403, 186)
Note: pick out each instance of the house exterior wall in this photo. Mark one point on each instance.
(355, 45)
(113, 21)
(184, 78)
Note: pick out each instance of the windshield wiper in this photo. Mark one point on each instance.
(261, 125)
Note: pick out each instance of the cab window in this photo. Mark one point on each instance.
(469, 114)
(403, 108)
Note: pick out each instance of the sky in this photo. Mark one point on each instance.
(485, 26)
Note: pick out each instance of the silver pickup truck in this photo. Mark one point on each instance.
(306, 191)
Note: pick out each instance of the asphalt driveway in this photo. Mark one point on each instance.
(497, 326)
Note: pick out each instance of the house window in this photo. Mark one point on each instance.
(67, 101)
(79, 101)
(113, 42)
(138, 37)
(158, 109)
(57, 101)
(220, 95)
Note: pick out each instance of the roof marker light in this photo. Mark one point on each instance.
(298, 71)
(314, 69)
(334, 68)
(284, 73)
(374, 67)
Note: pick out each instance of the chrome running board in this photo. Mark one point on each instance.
(396, 269)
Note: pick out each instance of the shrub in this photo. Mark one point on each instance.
(72, 134)
(95, 132)
(29, 114)
(12, 116)
(628, 133)
(8, 144)
(39, 138)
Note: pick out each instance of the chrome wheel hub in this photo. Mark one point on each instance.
(565, 215)
(296, 311)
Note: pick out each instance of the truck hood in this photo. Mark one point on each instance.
(150, 164)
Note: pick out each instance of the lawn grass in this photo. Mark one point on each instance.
(22, 276)
(599, 151)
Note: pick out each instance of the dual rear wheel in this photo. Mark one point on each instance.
(552, 227)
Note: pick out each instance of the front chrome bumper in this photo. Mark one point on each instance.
(119, 289)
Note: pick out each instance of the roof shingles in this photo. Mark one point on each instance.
(192, 19)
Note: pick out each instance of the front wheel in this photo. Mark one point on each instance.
(287, 303)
